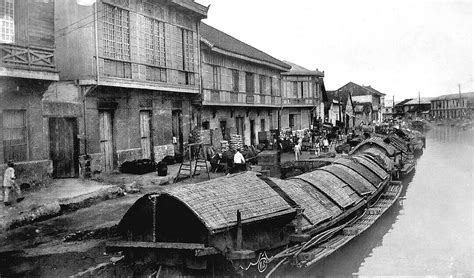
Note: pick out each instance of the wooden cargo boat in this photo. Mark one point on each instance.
(245, 222)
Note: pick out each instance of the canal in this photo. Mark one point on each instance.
(430, 232)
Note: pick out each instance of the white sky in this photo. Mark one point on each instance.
(398, 47)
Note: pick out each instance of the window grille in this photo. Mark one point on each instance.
(188, 50)
(116, 36)
(262, 84)
(156, 74)
(14, 135)
(215, 78)
(235, 80)
(7, 21)
(249, 82)
(295, 89)
(155, 42)
(117, 69)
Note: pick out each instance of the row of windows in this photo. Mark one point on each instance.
(443, 104)
(116, 43)
(7, 21)
(249, 81)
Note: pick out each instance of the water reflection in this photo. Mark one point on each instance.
(431, 233)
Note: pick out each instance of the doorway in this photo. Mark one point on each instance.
(177, 126)
(106, 140)
(252, 133)
(146, 134)
(64, 147)
(239, 124)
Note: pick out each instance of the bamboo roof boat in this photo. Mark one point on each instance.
(246, 222)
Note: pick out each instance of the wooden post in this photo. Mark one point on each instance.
(239, 232)
(299, 220)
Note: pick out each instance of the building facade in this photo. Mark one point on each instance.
(302, 98)
(454, 106)
(132, 68)
(367, 94)
(241, 87)
(27, 70)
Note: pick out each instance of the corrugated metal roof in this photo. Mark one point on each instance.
(363, 170)
(228, 43)
(334, 188)
(216, 202)
(299, 70)
(455, 96)
(351, 177)
(317, 207)
(374, 167)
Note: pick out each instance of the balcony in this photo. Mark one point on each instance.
(299, 102)
(226, 98)
(27, 62)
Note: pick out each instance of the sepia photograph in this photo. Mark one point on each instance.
(250, 138)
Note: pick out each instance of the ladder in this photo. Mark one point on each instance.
(194, 153)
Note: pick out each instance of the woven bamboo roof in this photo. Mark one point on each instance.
(317, 207)
(374, 167)
(363, 170)
(352, 178)
(379, 157)
(215, 202)
(398, 143)
(333, 187)
(377, 142)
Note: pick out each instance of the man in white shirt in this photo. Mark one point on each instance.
(238, 157)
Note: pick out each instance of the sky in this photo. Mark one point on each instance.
(400, 47)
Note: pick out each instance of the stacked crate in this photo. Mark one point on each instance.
(270, 161)
(236, 141)
(224, 146)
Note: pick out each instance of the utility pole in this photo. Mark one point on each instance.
(460, 101)
(393, 106)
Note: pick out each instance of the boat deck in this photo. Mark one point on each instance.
(386, 200)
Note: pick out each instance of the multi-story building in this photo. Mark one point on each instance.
(416, 107)
(241, 86)
(453, 106)
(131, 68)
(302, 97)
(366, 94)
(27, 70)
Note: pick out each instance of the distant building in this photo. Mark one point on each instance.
(453, 106)
(414, 108)
(363, 112)
(366, 94)
(302, 97)
(388, 110)
(339, 108)
(241, 86)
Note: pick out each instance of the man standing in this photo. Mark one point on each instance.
(239, 162)
(9, 184)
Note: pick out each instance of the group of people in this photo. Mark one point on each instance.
(319, 144)
(10, 185)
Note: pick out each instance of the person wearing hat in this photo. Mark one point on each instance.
(10, 184)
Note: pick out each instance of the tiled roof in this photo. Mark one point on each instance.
(423, 100)
(372, 90)
(220, 40)
(299, 70)
(455, 96)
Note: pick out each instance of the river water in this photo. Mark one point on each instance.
(430, 232)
